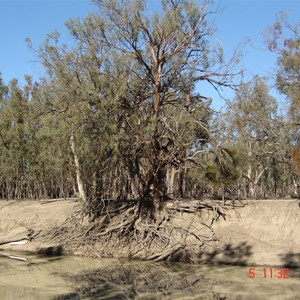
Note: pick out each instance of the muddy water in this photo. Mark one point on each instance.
(33, 277)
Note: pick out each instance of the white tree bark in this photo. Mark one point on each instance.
(81, 191)
(171, 171)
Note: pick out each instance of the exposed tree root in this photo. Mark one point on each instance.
(161, 241)
(128, 231)
(165, 254)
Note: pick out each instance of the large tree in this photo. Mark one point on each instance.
(283, 38)
(254, 129)
(139, 71)
(127, 100)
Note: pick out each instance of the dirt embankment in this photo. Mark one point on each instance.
(22, 218)
(263, 232)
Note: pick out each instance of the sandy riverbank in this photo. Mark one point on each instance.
(263, 232)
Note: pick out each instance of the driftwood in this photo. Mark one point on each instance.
(20, 238)
(13, 257)
(165, 254)
(13, 240)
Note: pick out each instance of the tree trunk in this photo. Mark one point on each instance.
(94, 186)
(251, 190)
(170, 180)
(182, 182)
(81, 191)
(158, 196)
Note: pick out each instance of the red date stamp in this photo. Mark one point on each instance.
(280, 273)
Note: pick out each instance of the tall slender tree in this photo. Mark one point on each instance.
(253, 127)
(283, 38)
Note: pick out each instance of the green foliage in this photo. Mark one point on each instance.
(260, 138)
(125, 91)
(283, 38)
(222, 171)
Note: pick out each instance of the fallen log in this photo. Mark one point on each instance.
(15, 241)
(20, 239)
(13, 257)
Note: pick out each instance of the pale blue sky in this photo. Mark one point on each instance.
(240, 20)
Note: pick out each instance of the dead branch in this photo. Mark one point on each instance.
(14, 240)
(30, 236)
(165, 254)
(126, 221)
(197, 206)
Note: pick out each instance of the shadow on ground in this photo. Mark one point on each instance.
(143, 280)
(158, 280)
(229, 254)
(291, 260)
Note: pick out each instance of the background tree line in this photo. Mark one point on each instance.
(118, 115)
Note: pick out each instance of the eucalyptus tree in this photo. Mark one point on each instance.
(127, 92)
(13, 139)
(79, 100)
(16, 132)
(255, 130)
(283, 38)
(3, 89)
(3, 96)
